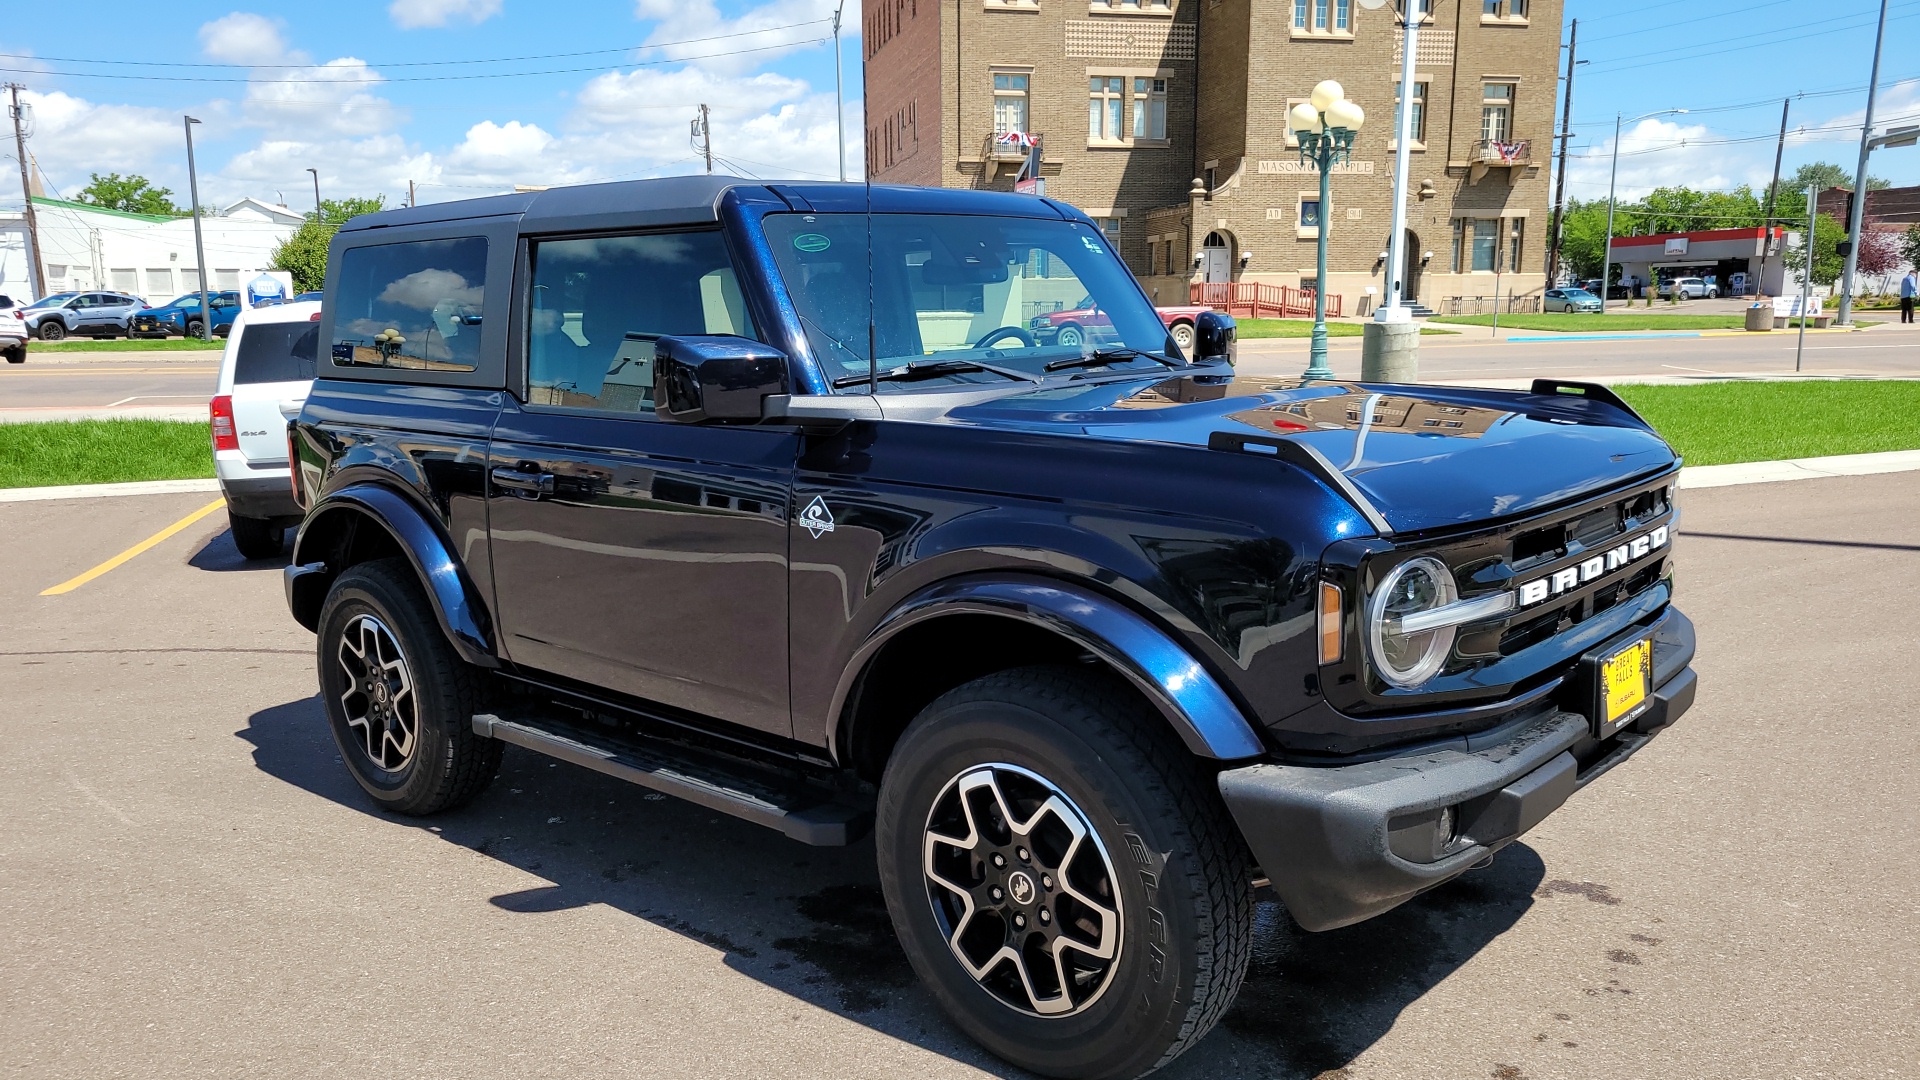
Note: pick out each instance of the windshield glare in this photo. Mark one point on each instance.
(52, 301)
(1011, 293)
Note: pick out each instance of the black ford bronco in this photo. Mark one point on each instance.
(771, 497)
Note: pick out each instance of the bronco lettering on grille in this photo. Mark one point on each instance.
(1599, 566)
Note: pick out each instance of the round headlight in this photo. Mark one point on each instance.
(1402, 659)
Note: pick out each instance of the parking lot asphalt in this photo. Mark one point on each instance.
(194, 887)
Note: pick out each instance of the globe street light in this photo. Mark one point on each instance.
(1325, 124)
(1606, 263)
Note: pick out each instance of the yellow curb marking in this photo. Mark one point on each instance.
(128, 555)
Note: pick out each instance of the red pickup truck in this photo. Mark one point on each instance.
(1071, 326)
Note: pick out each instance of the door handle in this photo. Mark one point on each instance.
(525, 478)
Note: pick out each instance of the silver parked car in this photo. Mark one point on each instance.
(1570, 300)
(1689, 288)
(89, 314)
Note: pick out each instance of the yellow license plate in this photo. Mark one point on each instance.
(1624, 678)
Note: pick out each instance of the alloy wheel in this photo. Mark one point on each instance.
(377, 700)
(1023, 890)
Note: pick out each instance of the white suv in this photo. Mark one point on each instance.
(13, 332)
(265, 373)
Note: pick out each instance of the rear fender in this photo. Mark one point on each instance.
(1194, 703)
(328, 534)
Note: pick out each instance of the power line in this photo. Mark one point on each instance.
(1794, 35)
(420, 63)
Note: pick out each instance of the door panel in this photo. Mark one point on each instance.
(657, 564)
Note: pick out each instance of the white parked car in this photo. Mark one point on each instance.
(13, 331)
(265, 374)
(1690, 288)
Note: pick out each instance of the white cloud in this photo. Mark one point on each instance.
(73, 137)
(757, 37)
(414, 14)
(337, 98)
(244, 38)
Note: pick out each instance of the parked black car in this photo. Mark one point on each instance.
(765, 496)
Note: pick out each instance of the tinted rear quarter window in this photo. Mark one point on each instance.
(276, 352)
(410, 305)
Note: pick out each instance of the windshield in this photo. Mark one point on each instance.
(52, 301)
(1580, 294)
(964, 299)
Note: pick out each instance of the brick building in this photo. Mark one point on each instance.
(1166, 120)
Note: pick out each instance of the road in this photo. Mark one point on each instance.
(193, 886)
(154, 384)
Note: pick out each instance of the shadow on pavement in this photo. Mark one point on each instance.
(219, 555)
(811, 923)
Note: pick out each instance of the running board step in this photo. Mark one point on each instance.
(802, 815)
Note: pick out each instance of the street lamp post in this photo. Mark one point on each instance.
(839, 94)
(1326, 125)
(1390, 350)
(1606, 264)
(316, 193)
(199, 246)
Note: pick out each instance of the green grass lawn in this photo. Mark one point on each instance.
(1587, 323)
(102, 452)
(1721, 423)
(1300, 328)
(124, 345)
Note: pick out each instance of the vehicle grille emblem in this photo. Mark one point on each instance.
(815, 518)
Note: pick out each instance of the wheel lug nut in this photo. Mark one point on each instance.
(1046, 881)
(999, 859)
(1019, 922)
(1022, 852)
(1046, 916)
(995, 894)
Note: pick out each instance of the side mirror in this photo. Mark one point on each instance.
(1214, 336)
(715, 378)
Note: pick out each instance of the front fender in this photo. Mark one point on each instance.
(327, 531)
(1186, 693)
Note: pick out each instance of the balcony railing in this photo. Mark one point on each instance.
(1010, 145)
(1254, 300)
(1500, 152)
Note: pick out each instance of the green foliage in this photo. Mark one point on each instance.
(1590, 322)
(133, 194)
(1825, 245)
(1823, 175)
(304, 254)
(1910, 246)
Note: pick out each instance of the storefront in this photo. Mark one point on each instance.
(1739, 262)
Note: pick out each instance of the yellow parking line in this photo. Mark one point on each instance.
(128, 555)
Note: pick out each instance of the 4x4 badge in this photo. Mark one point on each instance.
(815, 518)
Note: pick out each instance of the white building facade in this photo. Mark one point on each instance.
(86, 247)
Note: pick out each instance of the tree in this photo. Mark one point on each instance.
(304, 254)
(1910, 246)
(1879, 252)
(1670, 210)
(1823, 175)
(1825, 246)
(133, 194)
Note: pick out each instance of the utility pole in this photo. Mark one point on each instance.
(703, 130)
(36, 279)
(1560, 180)
(317, 215)
(410, 201)
(839, 93)
(1773, 191)
(199, 246)
(1845, 317)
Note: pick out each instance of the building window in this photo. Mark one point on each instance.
(1496, 112)
(1156, 7)
(1300, 14)
(1322, 18)
(1342, 16)
(1419, 107)
(1104, 102)
(1320, 14)
(1516, 234)
(1149, 108)
(1503, 9)
(1010, 101)
(1309, 215)
(1426, 9)
(1486, 242)
(1110, 228)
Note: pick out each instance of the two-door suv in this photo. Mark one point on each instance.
(767, 496)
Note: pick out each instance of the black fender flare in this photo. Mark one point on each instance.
(1194, 703)
(457, 601)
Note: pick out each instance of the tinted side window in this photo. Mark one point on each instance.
(600, 303)
(276, 352)
(411, 305)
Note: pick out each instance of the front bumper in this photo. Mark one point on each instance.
(1342, 844)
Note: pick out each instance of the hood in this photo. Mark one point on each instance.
(1425, 457)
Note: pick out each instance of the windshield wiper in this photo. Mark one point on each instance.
(929, 369)
(1108, 356)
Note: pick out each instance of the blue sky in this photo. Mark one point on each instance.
(604, 89)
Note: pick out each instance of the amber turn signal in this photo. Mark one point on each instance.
(1331, 639)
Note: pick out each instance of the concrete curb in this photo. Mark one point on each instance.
(1771, 472)
(103, 491)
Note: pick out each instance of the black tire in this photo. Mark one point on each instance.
(193, 327)
(1182, 945)
(17, 354)
(255, 538)
(444, 764)
(52, 330)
